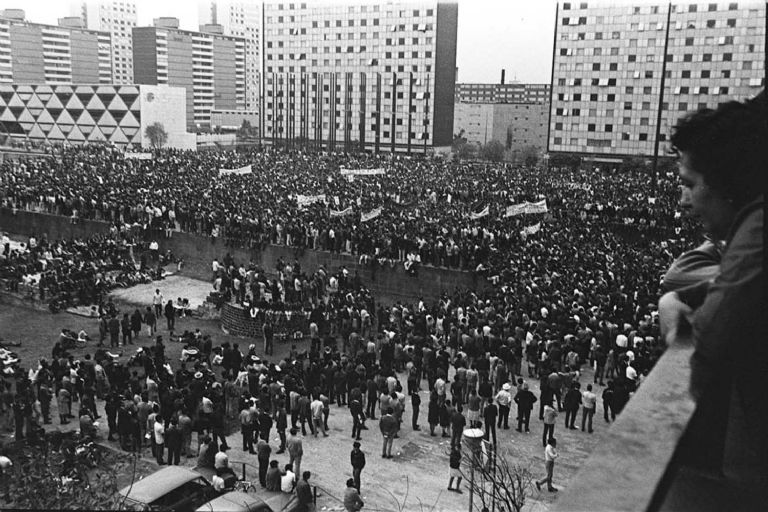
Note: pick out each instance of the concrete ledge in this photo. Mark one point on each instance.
(624, 473)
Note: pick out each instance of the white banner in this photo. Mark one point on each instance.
(303, 200)
(537, 207)
(341, 213)
(242, 170)
(515, 209)
(363, 172)
(138, 156)
(370, 215)
(530, 230)
(482, 213)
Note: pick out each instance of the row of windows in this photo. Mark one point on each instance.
(414, 68)
(654, 9)
(363, 36)
(350, 49)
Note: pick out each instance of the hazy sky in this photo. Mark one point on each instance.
(515, 35)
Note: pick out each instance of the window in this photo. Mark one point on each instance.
(746, 64)
(631, 58)
(643, 136)
(707, 57)
(595, 66)
(688, 57)
(614, 51)
(615, 35)
(582, 20)
(629, 90)
(558, 126)
(649, 74)
(591, 127)
(683, 106)
(726, 73)
(727, 57)
(731, 22)
(692, 8)
(593, 97)
(611, 97)
(577, 97)
(711, 23)
(686, 74)
(712, 7)
(576, 112)
(627, 105)
(566, 21)
(561, 81)
(598, 36)
(613, 66)
(609, 128)
(643, 121)
(626, 120)
(688, 41)
(733, 7)
(625, 135)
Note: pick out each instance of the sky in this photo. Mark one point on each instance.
(514, 35)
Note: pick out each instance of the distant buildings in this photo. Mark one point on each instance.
(33, 53)
(502, 93)
(239, 19)
(610, 70)
(117, 17)
(518, 126)
(373, 76)
(209, 65)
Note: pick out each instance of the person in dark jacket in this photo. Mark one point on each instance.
(125, 326)
(136, 323)
(524, 400)
(173, 442)
(571, 403)
(170, 315)
(273, 477)
(357, 459)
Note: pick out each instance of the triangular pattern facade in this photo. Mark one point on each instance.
(74, 114)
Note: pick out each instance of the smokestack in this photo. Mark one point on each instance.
(502, 76)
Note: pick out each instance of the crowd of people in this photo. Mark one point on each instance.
(581, 289)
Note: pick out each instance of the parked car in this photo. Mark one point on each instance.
(175, 488)
(235, 501)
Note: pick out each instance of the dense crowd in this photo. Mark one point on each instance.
(579, 290)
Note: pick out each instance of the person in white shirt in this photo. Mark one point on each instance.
(550, 454)
(317, 416)
(589, 402)
(288, 480)
(159, 431)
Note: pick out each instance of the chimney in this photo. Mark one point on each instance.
(502, 76)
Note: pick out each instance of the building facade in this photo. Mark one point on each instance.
(518, 126)
(118, 17)
(502, 93)
(395, 92)
(611, 80)
(78, 114)
(210, 66)
(240, 19)
(33, 53)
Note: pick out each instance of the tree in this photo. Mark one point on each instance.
(565, 160)
(493, 151)
(156, 134)
(496, 479)
(530, 156)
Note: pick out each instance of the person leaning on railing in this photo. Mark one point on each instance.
(723, 163)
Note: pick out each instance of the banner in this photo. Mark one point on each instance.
(515, 209)
(370, 215)
(537, 207)
(241, 170)
(341, 213)
(530, 230)
(303, 200)
(482, 213)
(138, 156)
(363, 172)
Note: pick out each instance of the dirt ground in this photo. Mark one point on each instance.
(414, 480)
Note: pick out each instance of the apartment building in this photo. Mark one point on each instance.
(118, 17)
(502, 93)
(611, 79)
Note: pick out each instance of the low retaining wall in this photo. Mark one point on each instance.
(389, 284)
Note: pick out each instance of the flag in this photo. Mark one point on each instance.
(365, 217)
(482, 213)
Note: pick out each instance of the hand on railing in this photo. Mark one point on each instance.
(674, 317)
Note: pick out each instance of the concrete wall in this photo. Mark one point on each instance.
(388, 284)
(167, 106)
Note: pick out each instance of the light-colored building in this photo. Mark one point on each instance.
(118, 17)
(239, 19)
(517, 126)
(78, 114)
(374, 76)
(502, 93)
(33, 53)
(210, 66)
(609, 67)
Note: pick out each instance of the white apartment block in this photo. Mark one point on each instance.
(608, 64)
(117, 17)
(210, 66)
(239, 19)
(33, 53)
(368, 76)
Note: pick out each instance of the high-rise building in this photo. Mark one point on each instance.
(209, 65)
(33, 53)
(362, 76)
(239, 19)
(117, 17)
(611, 80)
(518, 126)
(502, 93)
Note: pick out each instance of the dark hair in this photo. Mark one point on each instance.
(350, 482)
(728, 147)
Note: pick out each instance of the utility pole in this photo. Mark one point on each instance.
(654, 169)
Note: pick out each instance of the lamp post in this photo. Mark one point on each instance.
(473, 441)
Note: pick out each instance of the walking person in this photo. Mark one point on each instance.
(357, 459)
(356, 409)
(589, 399)
(550, 416)
(295, 450)
(415, 404)
(157, 302)
(504, 401)
(150, 319)
(388, 426)
(455, 464)
(170, 315)
(550, 454)
(571, 403)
